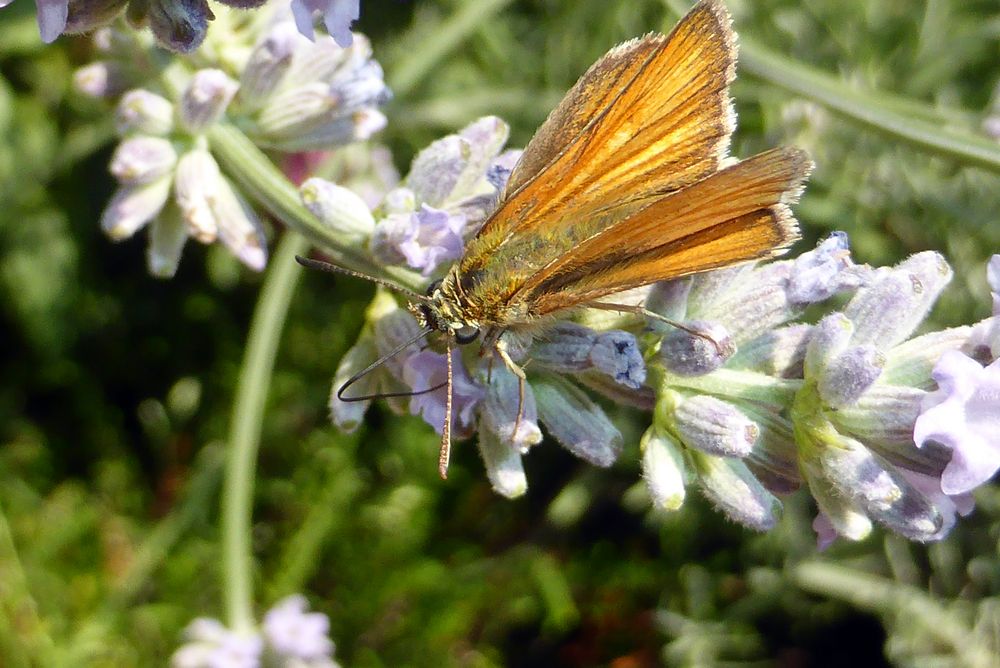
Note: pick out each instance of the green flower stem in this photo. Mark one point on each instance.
(416, 61)
(878, 110)
(747, 385)
(244, 434)
(262, 181)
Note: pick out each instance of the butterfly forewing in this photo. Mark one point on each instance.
(653, 124)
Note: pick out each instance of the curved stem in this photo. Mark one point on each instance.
(261, 180)
(244, 432)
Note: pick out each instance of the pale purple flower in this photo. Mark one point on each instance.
(964, 415)
(212, 645)
(423, 239)
(337, 16)
(426, 369)
(294, 633)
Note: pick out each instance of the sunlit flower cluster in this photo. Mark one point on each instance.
(287, 93)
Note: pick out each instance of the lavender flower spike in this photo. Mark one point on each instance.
(963, 414)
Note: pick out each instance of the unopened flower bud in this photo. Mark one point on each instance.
(131, 207)
(669, 298)
(268, 63)
(565, 347)
(179, 25)
(688, 354)
(849, 375)
(239, 228)
(142, 159)
(890, 308)
(579, 424)
(99, 79)
(715, 427)
(143, 112)
(757, 303)
(732, 488)
(167, 236)
(617, 354)
(780, 352)
(845, 516)
(829, 339)
(339, 208)
(853, 471)
(663, 468)
(347, 415)
(206, 98)
(911, 362)
(500, 410)
(883, 418)
(503, 465)
(196, 182)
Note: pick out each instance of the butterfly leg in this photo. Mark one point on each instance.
(501, 347)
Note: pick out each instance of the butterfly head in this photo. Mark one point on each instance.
(443, 311)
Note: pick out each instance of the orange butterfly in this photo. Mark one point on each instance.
(626, 183)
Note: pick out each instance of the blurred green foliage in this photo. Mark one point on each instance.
(117, 388)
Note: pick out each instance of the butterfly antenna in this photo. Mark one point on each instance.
(445, 455)
(334, 269)
(376, 364)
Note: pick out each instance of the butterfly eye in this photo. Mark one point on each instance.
(432, 287)
(466, 334)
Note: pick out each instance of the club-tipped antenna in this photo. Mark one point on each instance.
(379, 362)
(334, 269)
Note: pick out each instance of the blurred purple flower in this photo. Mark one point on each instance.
(337, 16)
(294, 633)
(826, 534)
(212, 645)
(963, 414)
(426, 369)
